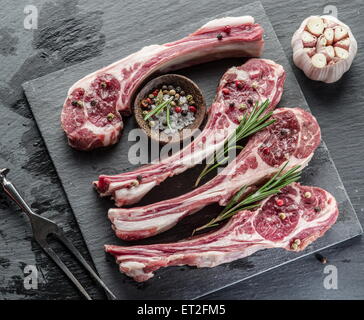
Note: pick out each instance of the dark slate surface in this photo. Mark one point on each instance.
(61, 40)
(76, 170)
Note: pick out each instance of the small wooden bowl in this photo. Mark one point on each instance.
(189, 87)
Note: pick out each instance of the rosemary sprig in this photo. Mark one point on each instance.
(273, 186)
(168, 117)
(158, 108)
(249, 125)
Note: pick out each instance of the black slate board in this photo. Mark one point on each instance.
(77, 169)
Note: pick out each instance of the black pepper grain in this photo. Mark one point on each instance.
(321, 258)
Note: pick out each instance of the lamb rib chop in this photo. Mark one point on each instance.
(293, 137)
(239, 89)
(91, 115)
(309, 213)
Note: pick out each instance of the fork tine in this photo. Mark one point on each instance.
(82, 260)
(65, 269)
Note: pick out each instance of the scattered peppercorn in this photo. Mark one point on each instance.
(232, 104)
(103, 85)
(282, 215)
(226, 91)
(219, 36)
(297, 241)
(151, 96)
(165, 91)
(178, 109)
(170, 87)
(134, 183)
(172, 92)
(321, 258)
(182, 93)
(184, 113)
(110, 116)
(317, 209)
(279, 202)
(164, 87)
(242, 106)
(239, 84)
(250, 101)
(307, 194)
(178, 89)
(77, 103)
(254, 85)
(93, 102)
(139, 178)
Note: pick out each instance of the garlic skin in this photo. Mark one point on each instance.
(333, 38)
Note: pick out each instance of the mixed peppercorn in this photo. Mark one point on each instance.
(169, 108)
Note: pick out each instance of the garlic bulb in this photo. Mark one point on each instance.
(323, 48)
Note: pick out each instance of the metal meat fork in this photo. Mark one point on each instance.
(42, 228)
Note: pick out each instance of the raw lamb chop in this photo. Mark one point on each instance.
(239, 89)
(91, 115)
(293, 137)
(308, 213)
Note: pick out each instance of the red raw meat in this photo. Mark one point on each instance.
(293, 137)
(91, 115)
(254, 81)
(309, 213)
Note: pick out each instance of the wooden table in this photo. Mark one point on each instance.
(28, 54)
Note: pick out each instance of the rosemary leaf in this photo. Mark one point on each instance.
(168, 117)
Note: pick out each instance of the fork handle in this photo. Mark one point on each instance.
(13, 193)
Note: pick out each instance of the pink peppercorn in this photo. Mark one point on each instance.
(192, 109)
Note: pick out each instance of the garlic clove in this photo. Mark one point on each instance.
(341, 53)
(319, 60)
(310, 51)
(344, 43)
(315, 25)
(341, 32)
(329, 23)
(329, 52)
(321, 43)
(308, 39)
(329, 35)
